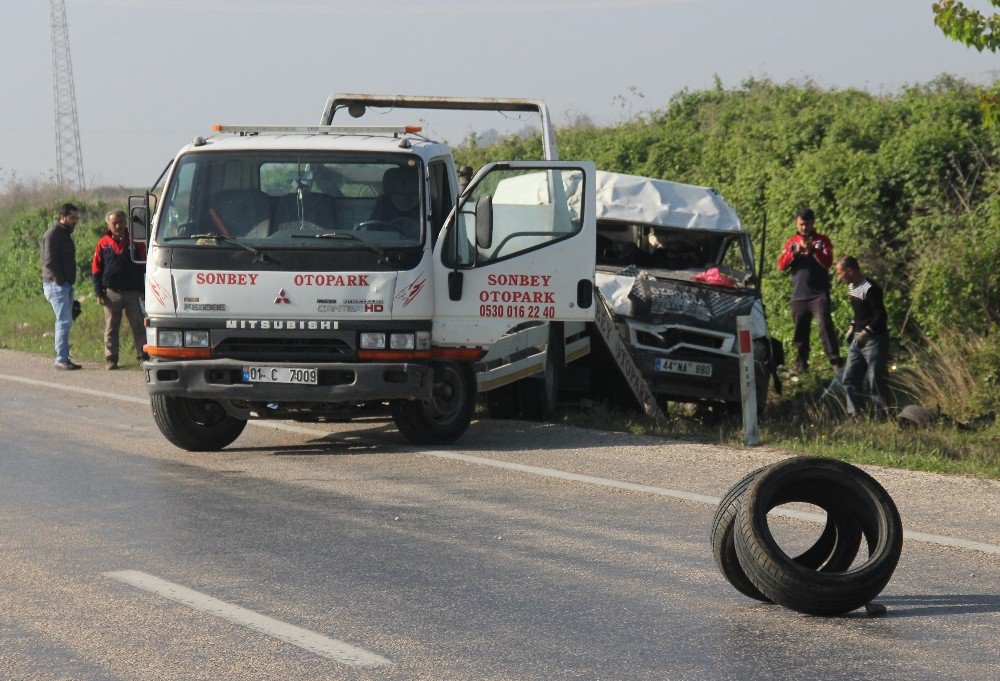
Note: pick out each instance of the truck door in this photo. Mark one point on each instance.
(518, 250)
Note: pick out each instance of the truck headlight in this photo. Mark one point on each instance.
(196, 339)
(423, 340)
(372, 341)
(169, 338)
(401, 341)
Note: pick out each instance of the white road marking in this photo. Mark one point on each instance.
(955, 542)
(327, 647)
(73, 389)
(940, 540)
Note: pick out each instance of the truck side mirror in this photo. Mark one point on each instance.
(138, 219)
(484, 221)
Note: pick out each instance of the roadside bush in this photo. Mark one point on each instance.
(958, 372)
(940, 375)
(957, 278)
(909, 183)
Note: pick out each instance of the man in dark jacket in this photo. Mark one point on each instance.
(58, 278)
(118, 285)
(868, 354)
(807, 256)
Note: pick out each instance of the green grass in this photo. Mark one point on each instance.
(24, 323)
(941, 449)
(794, 423)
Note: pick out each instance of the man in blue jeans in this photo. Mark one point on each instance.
(58, 278)
(868, 355)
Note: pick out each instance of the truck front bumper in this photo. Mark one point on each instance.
(222, 379)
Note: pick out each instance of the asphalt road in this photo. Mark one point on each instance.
(526, 551)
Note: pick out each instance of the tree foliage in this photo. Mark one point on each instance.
(968, 26)
(972, 29)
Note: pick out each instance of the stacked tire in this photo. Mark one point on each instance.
(827, 579)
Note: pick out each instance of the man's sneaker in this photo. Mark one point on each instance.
(111, 365)
(67, 365)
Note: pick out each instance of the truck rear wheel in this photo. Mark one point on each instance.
(194, 424)
(539, 397)
(447, 415)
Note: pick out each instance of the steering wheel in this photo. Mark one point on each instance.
(294, 227)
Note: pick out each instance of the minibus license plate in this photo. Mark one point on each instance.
(676, 366)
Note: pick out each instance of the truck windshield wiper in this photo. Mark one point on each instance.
(215, 236)
(351, 237)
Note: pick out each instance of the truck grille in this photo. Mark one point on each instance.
(284, 349)
(672, 337)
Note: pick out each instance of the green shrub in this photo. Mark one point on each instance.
(909, 183)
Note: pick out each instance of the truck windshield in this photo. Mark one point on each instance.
(273, 199)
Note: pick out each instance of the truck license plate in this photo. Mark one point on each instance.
(279, 375)
(676, 366)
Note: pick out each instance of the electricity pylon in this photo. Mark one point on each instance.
(69, 159)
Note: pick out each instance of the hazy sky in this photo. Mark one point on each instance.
(151, 75)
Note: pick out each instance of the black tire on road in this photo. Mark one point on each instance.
(194, 424)
(447, 415)
(834, 550)
(723, 542)
(840, 488)
(502, 402)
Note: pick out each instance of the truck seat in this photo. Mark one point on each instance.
(318, 209)
(242, 212)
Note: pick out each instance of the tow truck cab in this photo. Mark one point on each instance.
(314, 273)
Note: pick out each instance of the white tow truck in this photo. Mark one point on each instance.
(319, 273)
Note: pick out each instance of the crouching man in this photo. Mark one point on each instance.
(868, 353)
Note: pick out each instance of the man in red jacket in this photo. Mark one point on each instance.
(119, 283)
(807, 257)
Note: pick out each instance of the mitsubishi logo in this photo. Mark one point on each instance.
(282, 298)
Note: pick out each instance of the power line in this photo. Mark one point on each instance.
(69, 158)
(402, 8)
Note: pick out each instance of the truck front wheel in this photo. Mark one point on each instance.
(194, 424)
(443, 418)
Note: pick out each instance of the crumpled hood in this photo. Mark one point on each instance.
(664, 302)
(634, 199)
